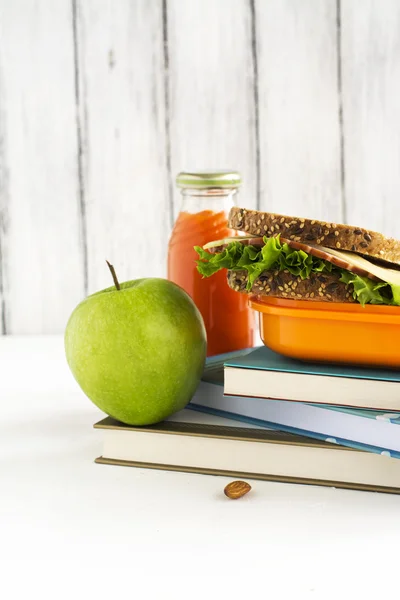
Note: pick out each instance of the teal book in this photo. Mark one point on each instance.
(263, 373)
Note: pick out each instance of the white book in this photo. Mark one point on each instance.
(186, 443)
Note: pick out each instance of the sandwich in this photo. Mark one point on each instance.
(302, 259)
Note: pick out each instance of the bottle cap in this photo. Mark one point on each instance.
(209, 179)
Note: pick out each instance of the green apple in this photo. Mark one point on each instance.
(137, 352)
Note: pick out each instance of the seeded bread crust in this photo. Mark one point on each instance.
(280, 284)
(330, 235)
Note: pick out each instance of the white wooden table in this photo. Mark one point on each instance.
(70, 528)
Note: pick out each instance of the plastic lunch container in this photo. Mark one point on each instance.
(337, 332)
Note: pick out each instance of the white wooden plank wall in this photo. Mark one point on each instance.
(211, 88)
(299, 108)
(371, 110)
(41, 241)
(103, 102)
(122, 116)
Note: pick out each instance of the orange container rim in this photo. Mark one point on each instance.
(338, 311)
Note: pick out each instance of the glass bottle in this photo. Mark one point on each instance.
(206, 200)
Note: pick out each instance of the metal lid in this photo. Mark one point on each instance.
(209, 179)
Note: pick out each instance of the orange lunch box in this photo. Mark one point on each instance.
(330, 332)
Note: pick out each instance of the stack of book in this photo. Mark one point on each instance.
(260, 415)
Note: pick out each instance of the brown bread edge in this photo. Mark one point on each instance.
(319, 287)
(330, 235)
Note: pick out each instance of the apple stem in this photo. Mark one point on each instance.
(114, 275)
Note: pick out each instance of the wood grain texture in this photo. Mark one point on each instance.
(121, 62)
(4, 201)
(41, 249)
(102, 103)
(371, 112)
(211, 86)
(299, 108)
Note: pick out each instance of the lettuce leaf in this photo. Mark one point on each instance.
(255, 260)
(367, 291)
(211, 263)
(280, 257)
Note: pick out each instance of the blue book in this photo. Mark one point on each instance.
(263, 373)
(371, 430)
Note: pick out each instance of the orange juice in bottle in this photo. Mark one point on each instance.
(206, 200)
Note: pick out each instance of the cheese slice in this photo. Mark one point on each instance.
(383, 273)
(258, 241)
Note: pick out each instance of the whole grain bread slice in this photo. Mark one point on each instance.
(318, 287)
(330, 235)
